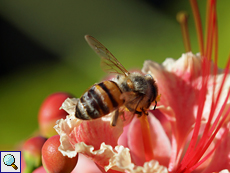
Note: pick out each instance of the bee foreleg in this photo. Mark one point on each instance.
(155, 105)
(145, 112)
(139, 114)
(114, 118)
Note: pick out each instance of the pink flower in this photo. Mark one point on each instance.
(189, 131)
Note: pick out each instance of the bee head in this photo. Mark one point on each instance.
(153, 86)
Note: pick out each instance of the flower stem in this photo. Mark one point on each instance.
(148, 147)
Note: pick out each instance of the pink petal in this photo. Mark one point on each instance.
(135, 142)
(123, 140)
(87, 137)
(81, 165)
(179, 83)
(164, 122)
(221, 158)
(224, 171)
(95, 132)
(40, 169)
(160, 142)
(175, 83)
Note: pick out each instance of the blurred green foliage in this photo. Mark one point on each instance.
(132, 30)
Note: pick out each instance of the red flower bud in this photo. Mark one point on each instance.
(52, 158)
(49, 113)
(32, 152)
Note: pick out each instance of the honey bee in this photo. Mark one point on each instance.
(130, 91)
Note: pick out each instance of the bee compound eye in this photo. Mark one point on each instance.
(149, 76)
(118, 77)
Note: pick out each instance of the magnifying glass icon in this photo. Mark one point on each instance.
(9, 160)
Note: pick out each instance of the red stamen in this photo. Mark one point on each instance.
(148, 146)
(207, 156)
(203, 148)
(206, 71)
(210, 29)
(201, 153)
(182, 18)
(189, 155)
(194, 157)
(213, 106)
(195, 152)
(222, 85)
(198, 24)
(215, 36)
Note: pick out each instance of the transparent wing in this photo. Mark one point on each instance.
(126, 116)
(108, 62)
(123, 114)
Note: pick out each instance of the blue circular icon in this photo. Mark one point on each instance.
(8, 159)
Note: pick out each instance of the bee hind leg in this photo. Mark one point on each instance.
(114, 118)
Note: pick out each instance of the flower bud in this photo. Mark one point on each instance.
(32, 153)
(49, 113)
(52, 158)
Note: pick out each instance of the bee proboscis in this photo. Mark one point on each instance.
(130, 91)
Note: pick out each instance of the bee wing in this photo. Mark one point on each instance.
(125, 115)
(131, 99)
(108, 62)
(131, 103)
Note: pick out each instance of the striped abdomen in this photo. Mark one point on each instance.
(99, 100)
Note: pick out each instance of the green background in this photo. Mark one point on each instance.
(132, 30)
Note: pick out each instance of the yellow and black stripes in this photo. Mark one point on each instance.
(99, 100)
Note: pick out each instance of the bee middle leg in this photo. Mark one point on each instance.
(114, 118)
